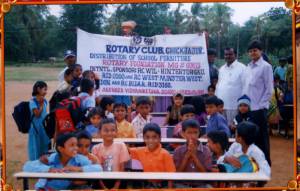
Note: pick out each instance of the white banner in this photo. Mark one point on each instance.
(153, 66)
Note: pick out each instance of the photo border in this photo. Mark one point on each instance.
(6, 5)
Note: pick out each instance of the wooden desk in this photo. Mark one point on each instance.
(144, 176)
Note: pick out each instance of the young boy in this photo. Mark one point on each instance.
(216, 121)
(84, 144)
(107, 104)
(111, 155)
(143, 105)
(187, 112)
(125, 129)
(217, 142)
(76, 72)
(193, 156)
(86, 95)
(153, 157)
(220, 105)
(66, 84)
(66, 159)
(95, 116)
(244, 145)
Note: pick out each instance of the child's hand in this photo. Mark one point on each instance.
(93, 158)
(56, 170)
(233, 161)
(44, 159)
(72, 169)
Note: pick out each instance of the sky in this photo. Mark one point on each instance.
(242, 11)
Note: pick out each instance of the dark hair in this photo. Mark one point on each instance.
(211, 87)
(86, 73)
(83, 135)
(255, 44)
(74, 66)
(120, 105)
(152, 127)
(96, 111)
(86, 85)
(68, 72)
(107, 121)
(198, 103)
(179, 95)
(143, 100)
(211, 51)
(105, 101)
(212, 100)
(190, 123)
(62, 139)
(187, 108)
(219, 137)
(248, 131)
(220, 102)
(38, 84)
(229, 49)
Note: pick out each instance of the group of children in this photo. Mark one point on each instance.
(199, 116)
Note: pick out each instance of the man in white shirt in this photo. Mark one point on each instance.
(69, 58)
(230, 84)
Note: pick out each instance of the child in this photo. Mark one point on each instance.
(220, 105)
(111, 155)
(66, 85)
(76, 72)
(244, 145)
(95, 116)
(173, 114)
(193, 156)
(200, 113)
(88, 74)
(186, 112)
(107, 104)
(65, 160)
(153, 157)
(38, 140)
(86, 95)
(211, 90)
(217, 142)
(125, 129)
(84, 145)
(216, 121)
(143, 117)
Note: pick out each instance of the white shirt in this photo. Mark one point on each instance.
(230, 84)
(259, 84)
(254, 152)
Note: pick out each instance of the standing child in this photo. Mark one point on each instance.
(143, 105)
(95, 116)
(125, 129)
(173, 113)
(107, 104)
(86, 95)
(111, 155)
(38, 140)
(220, 105)
(193, 156)
(76, 72)
(153, 157)
(186, 112)
(66, 85)
(216, 121)
(65, 160)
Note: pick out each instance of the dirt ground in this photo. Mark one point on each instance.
(16, 143)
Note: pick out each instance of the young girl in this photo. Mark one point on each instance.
(38, 140)
(173, 114)
(65, 160)
(111, 155)
(95, 116)
(107, 104)
(88, 74)
(125, 129)
(86, 95)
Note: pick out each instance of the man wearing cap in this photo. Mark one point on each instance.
(230, 84)
(69, 58)
(259, 87)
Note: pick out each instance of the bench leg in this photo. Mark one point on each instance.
(25, 184)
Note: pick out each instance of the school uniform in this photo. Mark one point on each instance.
(217, 122)
(87, 101)
(54, 162)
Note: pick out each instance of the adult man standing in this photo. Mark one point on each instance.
(230, 83)
(258, 86)
(69, 59)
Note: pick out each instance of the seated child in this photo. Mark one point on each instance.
(143, 117)
(84, 145)
(173, 113)
(193, 156)
(217, 142)
(66, 85)
(95, 116)
(220, 105)
(107, 105)
(153, 157)
(244, 145)
(186, 112)
(125, 129)
(200, 113)
(111, 155)
(216, 121)
(66, 159)
(86, 95)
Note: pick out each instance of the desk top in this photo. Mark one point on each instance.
(149, 176)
